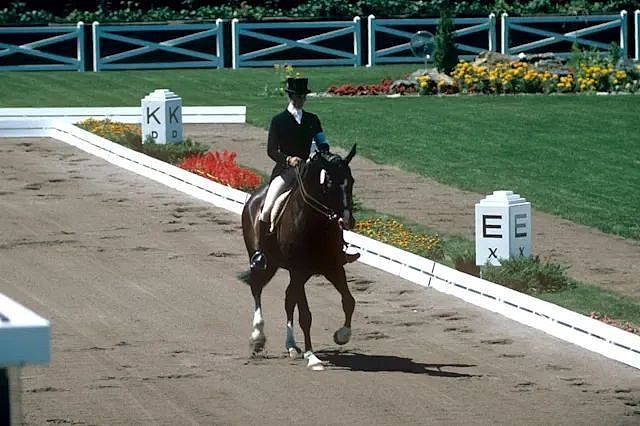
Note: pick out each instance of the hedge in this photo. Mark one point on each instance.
(72, 11)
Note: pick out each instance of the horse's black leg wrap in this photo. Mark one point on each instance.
(259, 259)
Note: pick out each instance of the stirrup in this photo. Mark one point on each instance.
(258, 261)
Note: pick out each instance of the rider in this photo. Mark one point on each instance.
(292, 134)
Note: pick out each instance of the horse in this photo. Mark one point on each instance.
(306, 240)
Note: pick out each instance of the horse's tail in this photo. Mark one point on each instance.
(259, 278)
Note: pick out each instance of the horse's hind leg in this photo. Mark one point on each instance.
(258, 280)
(338, 278)
(292, 297)
(305, 323)
(290, 301)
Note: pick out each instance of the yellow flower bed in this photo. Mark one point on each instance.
(126, 134)
(522, 77)
(392, 232)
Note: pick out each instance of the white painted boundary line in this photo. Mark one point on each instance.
(190, 114)
(588, 333)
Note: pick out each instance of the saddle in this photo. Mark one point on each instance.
(278, 208)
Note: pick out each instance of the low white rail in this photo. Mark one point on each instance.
(190, 114)
(583, 331)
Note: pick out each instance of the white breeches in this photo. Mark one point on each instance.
(277, 186)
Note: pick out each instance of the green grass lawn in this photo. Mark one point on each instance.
(573, 156)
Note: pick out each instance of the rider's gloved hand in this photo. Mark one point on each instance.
(294, 161)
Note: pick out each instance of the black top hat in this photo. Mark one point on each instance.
(297, 86)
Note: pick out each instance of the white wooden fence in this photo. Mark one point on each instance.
(387, 41)
(400, 32)
(292, 49)
(132, 43)
(35, 54)
(592, 24)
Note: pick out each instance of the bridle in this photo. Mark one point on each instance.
(312, 202)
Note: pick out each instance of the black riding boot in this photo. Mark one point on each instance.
(259, 258)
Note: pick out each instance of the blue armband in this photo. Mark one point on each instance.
(321, 141)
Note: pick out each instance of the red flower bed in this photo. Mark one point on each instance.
(222, 168)
(382, 88)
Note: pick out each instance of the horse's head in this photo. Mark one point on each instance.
(330, 176)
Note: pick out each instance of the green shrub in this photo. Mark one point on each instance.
(24, 12)
(129, 135)
(172, 153)
(528, 275)
(445, 56)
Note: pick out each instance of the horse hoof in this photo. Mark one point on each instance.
(314, 362)
(318, 367)
(342, 336)
(294, 352)
(257, 344)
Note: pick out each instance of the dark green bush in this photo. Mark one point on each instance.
(172, 153)
(528, 275)
(40, 12)
(445, 55)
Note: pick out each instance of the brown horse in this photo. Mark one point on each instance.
(307, 240)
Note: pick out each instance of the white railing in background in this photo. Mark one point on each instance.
(35, 58)
(592, 24)
(398, 33)
(190, 114)
(572, 327)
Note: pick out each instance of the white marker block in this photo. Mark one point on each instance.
(162, 117)
(503, 228)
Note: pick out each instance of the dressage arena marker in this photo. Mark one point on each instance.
(562, 323)
(24, 339)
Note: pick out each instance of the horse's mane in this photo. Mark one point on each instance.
(322, 158)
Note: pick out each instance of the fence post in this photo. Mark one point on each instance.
(371, 51)
(492, 32)
(357, 48)
(80, 45)
(504, 23)
(623, 34)
(96, 46)
(637, 35)
(235, 39)
(220, 42)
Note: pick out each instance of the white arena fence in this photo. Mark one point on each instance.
(562, 323)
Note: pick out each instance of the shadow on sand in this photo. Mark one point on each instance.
(355, 361)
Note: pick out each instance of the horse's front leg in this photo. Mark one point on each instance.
(258, 279)
(258, 338)
(338, 278)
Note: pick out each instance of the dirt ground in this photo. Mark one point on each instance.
(150, 324)
(592, 256)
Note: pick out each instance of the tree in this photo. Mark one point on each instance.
(445, 55)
